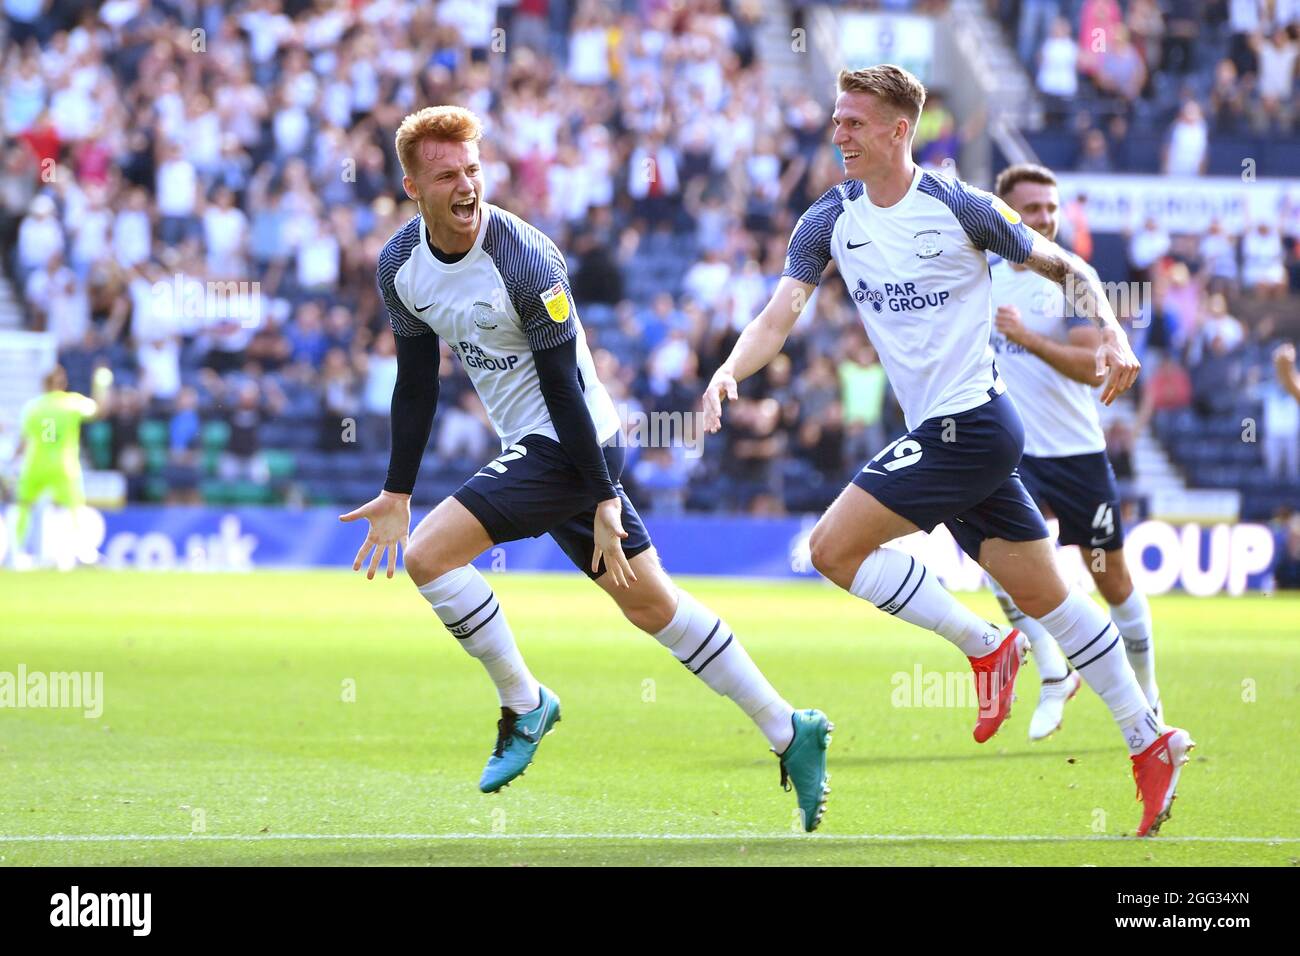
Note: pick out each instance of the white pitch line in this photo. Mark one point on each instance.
(648, 837)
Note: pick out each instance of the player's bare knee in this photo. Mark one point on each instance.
(424, 563)
(834, 558)
(651, 602)
(1040, 597)
(651, 616)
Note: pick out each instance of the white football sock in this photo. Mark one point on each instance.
(464, 602)
(1047, 654)
(1133, 618)
(1091, 641)
(899, 584)
(704, 643)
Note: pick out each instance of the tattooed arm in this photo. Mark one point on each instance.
(1084, 294)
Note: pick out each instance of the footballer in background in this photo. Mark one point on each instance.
(1048, 357)
(49, 447)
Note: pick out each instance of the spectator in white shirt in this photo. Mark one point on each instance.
(59, 300)
(160, 368)
(40, 237)
(707, 279)
(589, 47)
(1058, 66)
(1263, 269)
(73, 112)
(473, 20)
(1145, 249)
(1277, 74)
(202, 134)
(90, 232)
(23, 97)
(1281, 433)
(1189, 140)
(225, 233)
(652, 178)
(1218, 323)
(132, 230)
(319, 260)
(177, 191)
(1219, 259)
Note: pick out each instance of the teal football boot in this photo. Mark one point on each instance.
(517, 738)
(804, 765)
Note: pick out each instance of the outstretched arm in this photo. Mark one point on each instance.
(760, 342)
(1086, 298)
(415, 397)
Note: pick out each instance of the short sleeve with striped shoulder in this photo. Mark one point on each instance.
(395, 252)
(809, 251)
(536, 279)
(989, 222)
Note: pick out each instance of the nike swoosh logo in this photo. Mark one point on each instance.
(423, 307)
(872, 471)
(861, 244)
(541, 724)
(483, 474)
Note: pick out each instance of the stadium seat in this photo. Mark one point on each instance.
(154, 436)
(279, 463)
(99, 439)
(214, 437)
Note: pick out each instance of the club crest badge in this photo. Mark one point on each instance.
(927, 244)
(485, 317)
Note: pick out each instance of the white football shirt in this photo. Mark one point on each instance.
(1060, 414)
(506, 297)
(919, 276)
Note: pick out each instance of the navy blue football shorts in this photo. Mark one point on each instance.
(1080, 491)
(959, 471)
(532, 489)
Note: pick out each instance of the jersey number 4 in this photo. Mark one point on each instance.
(1103, 522)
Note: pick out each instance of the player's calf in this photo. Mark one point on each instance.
(469, 609)
(1132, 615)
(706, 646)
(650, 601)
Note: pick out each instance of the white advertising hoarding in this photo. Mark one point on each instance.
(1181, 204)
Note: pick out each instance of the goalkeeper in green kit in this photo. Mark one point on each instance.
(50, 439)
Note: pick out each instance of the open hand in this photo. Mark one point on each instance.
(389, 515)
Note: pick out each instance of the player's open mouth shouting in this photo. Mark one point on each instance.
(465, 209)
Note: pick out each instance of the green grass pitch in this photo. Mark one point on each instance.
(227, 735)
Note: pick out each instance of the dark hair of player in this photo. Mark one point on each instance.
(1012, 176)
